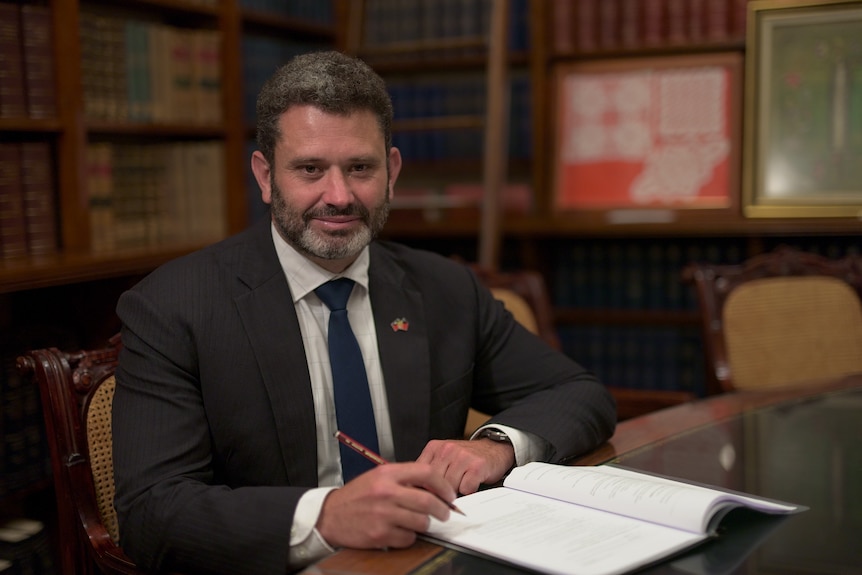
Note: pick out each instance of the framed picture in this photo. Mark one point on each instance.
(803, 129)
(652, 135)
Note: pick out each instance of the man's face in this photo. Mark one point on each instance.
(330, 185)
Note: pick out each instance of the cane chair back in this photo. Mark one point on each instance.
(77, 391)
(780, 318)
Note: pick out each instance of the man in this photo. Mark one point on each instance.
(224, 454)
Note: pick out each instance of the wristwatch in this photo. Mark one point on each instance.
(494, 435)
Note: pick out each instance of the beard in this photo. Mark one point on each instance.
(293, 226)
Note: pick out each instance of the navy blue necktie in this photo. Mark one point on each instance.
(349, 381)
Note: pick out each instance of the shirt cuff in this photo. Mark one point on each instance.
(528, 447)
(306, 543)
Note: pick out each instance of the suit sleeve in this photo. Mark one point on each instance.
(528, 385)
(174, 509)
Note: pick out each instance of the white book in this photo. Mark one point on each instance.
(603, 520)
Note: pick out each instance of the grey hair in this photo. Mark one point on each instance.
(330, 81)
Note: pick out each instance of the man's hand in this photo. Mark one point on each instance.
(468, 464)
(385, 507)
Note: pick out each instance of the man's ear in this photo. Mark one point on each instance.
(262, 174)
(394, 168)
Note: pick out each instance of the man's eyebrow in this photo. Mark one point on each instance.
(304, 160)
(365, 160)
(299, 161)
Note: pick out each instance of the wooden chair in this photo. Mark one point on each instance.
(524, 294)
(780, 318)
(77, 391)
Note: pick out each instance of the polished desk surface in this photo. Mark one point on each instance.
(802, 445)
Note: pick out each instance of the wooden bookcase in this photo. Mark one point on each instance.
(547, 239)
(66, 298)
(70, 131)
(720, 235)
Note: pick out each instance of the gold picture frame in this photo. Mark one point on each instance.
(803, 109)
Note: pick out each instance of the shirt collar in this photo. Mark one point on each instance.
(304, 276)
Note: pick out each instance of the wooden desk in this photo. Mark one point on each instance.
(796, 444)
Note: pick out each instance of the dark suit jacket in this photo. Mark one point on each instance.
(214, 437)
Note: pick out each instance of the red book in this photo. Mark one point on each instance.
(38, 50)
(563, 25)
(738, 16)
(13, 230)
(630, 22)
(37, 184)
(13, 99)
(676, 21)
(609, 19)
(653, 22)
(696, 21)
(717, 14)
(586, 18)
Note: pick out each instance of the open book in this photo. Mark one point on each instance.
(601, 520)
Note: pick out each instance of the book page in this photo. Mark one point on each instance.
(661, 500)
(556, 537)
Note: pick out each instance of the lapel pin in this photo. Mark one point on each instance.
(400, 324)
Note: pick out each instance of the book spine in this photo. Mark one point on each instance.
(176, 214)
(206, 161)
(738, 17)
(586, 21)
(160, 72)
(676, 21)
(717, 14)
(696, 21)
(136, 85)
(181, 99)
(128, 195)
(630, 24)
(89, 31)
(115, 67)
(13, 97)
(207, 58)
(563, 24)
(37, 179)
(36, 35)
(609, 19)
(519, 29)
(653, 23)
(13, 228)
(100, 191)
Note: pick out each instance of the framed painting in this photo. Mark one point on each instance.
(655, 134)
(803, 129)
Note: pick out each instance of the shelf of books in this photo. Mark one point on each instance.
(434, 59)
(124, 129)
(132, 151)
(620, 304)
(614, 263)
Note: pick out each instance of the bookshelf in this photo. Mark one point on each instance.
(150, 106)
(457, 73)
(93, 103)
(653, 329)
(646, 345)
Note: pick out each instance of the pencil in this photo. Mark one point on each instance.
(371, 456)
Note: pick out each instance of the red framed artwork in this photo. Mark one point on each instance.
(648, 133)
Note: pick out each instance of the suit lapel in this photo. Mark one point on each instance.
(403, 351)
(270, 321)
